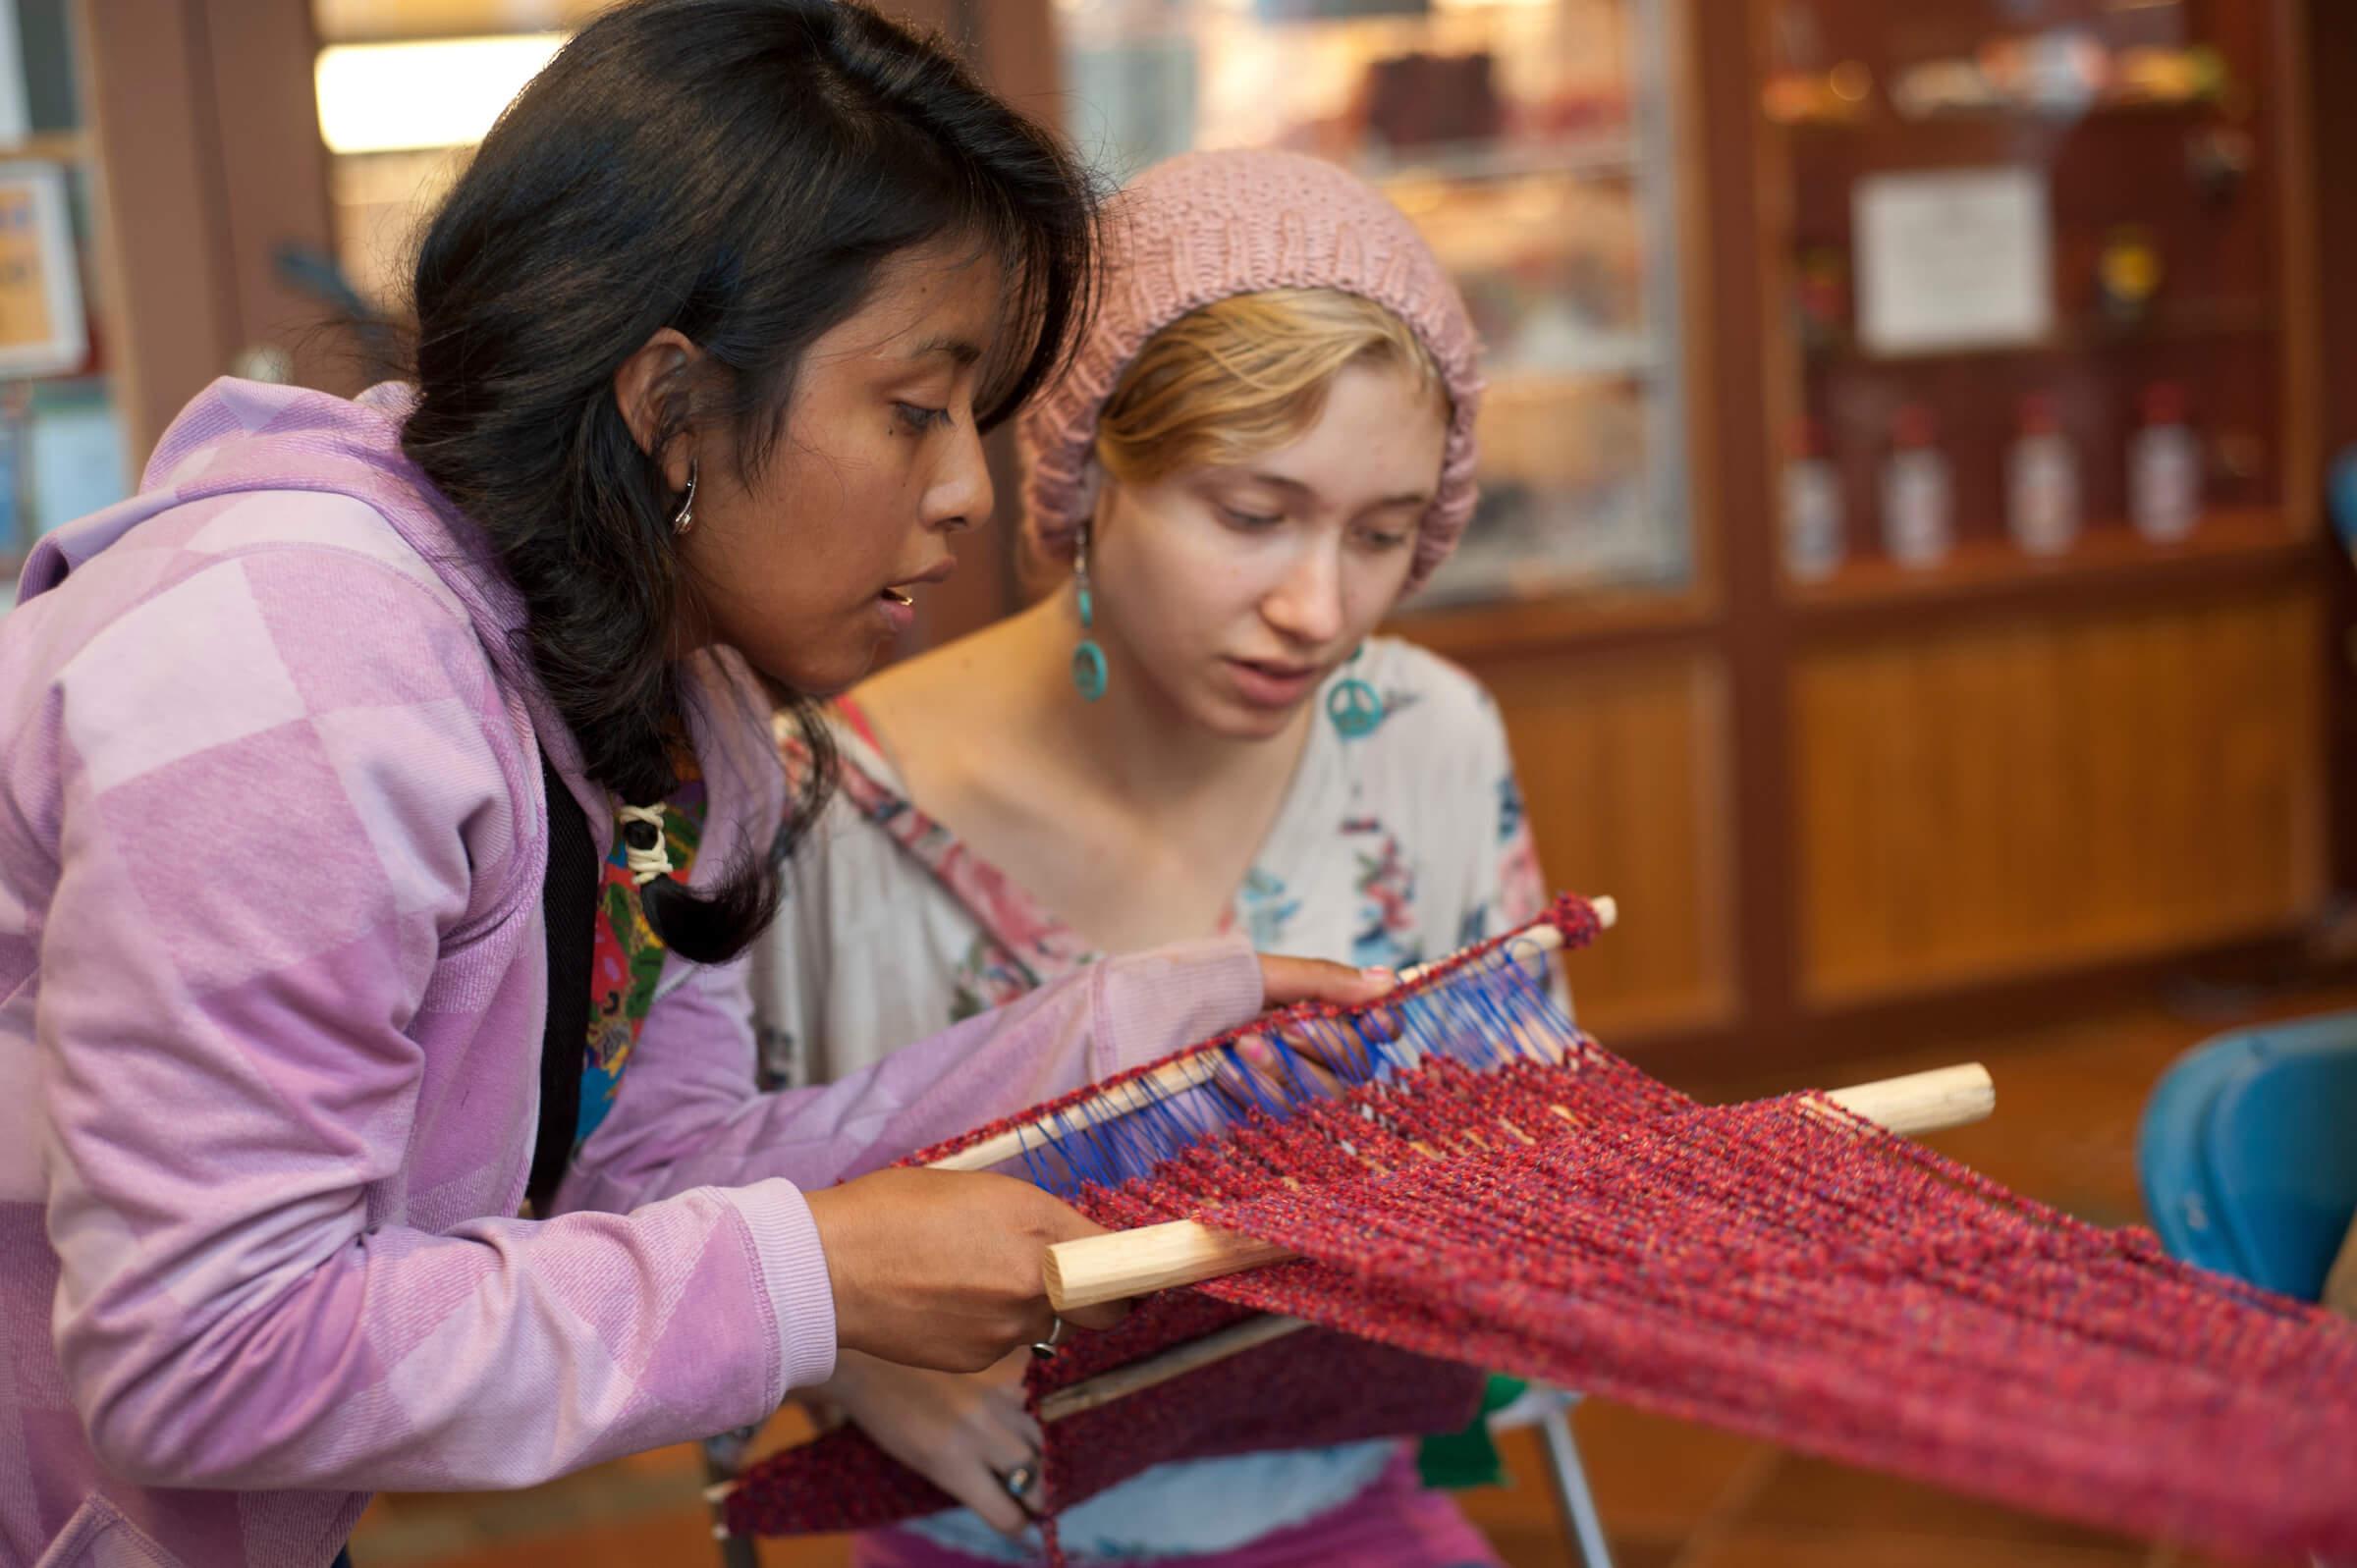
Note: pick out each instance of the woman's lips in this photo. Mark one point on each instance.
(1272, 686)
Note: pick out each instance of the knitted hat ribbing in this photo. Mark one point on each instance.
(1206, 226)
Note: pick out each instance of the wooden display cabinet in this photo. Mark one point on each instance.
(2008, 772)
(189, 137)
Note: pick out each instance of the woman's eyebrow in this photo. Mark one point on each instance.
(1294, 487)
(957, 348)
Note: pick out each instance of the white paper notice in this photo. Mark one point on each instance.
(1956, 259)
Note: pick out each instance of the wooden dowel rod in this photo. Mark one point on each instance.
(1189, 1072)
(1538, 939)
(1167, 1080)
(1107, 1386)
(1132, 1263)
(1923, 1102)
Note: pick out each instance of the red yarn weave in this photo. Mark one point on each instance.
(1781, 1270)
(1784, 1270)
(1306, 1389)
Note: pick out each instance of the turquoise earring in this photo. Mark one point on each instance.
(1088, 660)
(1354, 707)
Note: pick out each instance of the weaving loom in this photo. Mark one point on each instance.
(1491, 1189)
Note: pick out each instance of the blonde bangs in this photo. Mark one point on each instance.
(1247, 375)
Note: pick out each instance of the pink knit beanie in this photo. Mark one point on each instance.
(1205, 225)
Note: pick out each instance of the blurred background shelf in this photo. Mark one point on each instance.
(2109, 557)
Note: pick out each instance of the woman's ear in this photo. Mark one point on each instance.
(654, 374)
(1093, 489)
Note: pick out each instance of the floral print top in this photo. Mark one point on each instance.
(1391, 847)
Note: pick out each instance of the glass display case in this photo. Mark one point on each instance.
(1532, 143)
(2030, 262)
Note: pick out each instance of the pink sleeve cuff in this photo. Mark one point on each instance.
(1149, 1004)
(793, 1267)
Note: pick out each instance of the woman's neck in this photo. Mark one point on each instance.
(1085, 804)
(1133, 742)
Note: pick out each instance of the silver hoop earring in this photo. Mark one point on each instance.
(684, 518)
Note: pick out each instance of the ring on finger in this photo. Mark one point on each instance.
(1019, 1480)
(1046, 1346)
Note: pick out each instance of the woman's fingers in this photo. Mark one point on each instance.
(1025, 1428)
(1065, 1223)
(1285, 981)
(1283, 1068)
(1102, 1316)
(1318, 1055)
(983, 1489)
(962, 1432)
(1007, 1442)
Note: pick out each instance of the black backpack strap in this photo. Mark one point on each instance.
(568, 901)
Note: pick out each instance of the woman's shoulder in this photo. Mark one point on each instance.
(930, 709)
(865, 828)
(846, 744)
(286, 603)
(278, 650)
(330, 554)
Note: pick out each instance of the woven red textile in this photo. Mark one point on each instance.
(1785, 1271)
(1305, 1390)
(1781, 1270)
(1310, 1389)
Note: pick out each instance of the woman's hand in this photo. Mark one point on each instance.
(1287, 981)
(944, 1268)
(1288, 1061)
(960, 1430)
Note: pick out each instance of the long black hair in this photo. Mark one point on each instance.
(736, 170)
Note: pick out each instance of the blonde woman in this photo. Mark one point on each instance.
(1264, 443)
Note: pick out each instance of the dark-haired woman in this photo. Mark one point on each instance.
(319, 748)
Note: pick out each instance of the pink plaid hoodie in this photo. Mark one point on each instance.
(274, 976)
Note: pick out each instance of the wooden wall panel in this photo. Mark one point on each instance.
(162, 236)
(1623, 758)
(274, 187)
(2016, 796)
(208, 141)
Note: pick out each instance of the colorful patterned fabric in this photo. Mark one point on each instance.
(626, 956)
